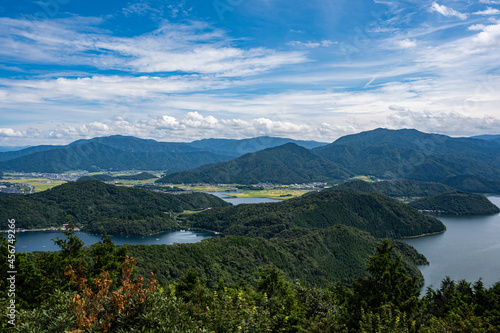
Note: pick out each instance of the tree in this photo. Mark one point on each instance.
(387, 291)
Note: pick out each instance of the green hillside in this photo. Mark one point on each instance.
(320, 257)
(378, 214)
(286, 164)
(108, 178)
(96, 205)
(457, 203)
(397, 188)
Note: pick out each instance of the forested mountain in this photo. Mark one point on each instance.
(378, 214)
(412, 154)
(95, 156)
(457, 203)
(240, 147)
(487, 137)
(97, 206)
(10, 155)
(397, 188)
(286, 164)
(119, 152)
(319, 257)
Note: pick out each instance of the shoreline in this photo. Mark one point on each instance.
(45, 229)
(423, 235)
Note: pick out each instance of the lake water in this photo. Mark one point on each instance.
(469, 249)
(236, 201)
(30, 241)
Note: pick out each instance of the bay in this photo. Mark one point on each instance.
(469, 249)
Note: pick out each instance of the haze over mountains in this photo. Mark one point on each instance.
(381, 153)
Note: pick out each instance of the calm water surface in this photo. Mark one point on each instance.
(236, 201)
(469, 249)
(30, 241)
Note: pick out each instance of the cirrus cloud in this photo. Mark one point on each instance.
(446, 11)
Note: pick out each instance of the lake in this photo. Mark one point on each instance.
(30, 241)
(226, 196)
(469, 249)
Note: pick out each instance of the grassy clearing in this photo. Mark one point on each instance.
(365, 178)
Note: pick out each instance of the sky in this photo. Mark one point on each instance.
(193, 69)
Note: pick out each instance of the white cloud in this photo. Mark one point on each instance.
(406, 43)
(9, 132)
(488, 11)
(452, 123)
(194, 126)
(491, 2)
(312, 45)
(189, 48)
(446, 11)
(106, 88)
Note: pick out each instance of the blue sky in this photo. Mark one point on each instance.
(186, 70)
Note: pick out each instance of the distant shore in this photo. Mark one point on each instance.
(45, 229)
(423, 235)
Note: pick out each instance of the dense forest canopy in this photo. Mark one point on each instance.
(457, 203)
(96, 290)
(378, 214)
(97, 206)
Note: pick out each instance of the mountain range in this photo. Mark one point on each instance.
(408, 153)
(118, 153)
(380, 153)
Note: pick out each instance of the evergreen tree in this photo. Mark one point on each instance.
(387, 291)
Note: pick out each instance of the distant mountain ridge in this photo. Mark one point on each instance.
(408, 153)
(381, 153)
(244, 146)
(118, 153)
(286, 164)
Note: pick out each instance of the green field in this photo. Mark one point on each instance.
(40, 184)
(281, 192)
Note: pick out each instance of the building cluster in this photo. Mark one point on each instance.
(68, 177)
(15, 188)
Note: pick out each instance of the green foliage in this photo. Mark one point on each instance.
(464, 306)
(457, 203)
(386, 300)
(379, 215)
(397, 188)
(101, 207)
(108, 178)
(285, 164)
(319, 257)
